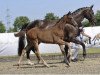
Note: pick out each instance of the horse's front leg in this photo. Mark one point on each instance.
(83, 46)
(68, 52)
(61, 42)
(38, 54)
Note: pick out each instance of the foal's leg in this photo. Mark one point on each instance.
(23, 53)
(69, 52)
(21, 57)
(38, 54)
(61, 42)
(28, 57)
(63, 52)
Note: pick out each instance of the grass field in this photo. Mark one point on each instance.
(91, 50)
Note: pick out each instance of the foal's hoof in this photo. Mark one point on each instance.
(30, 63)
(47, 65)
(18, 66)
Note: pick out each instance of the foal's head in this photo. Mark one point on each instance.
(69, 19)
(89, 14)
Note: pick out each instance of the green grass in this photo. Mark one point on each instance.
(91, 50)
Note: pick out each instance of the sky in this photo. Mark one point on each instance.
(37, 9)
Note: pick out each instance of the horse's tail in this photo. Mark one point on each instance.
(21, 45)
(21, 42)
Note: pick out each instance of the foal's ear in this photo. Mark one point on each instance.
(91, 6)
(69, 13)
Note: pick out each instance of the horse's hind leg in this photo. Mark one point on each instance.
(28, 57)
(23, 53)
(21, 57)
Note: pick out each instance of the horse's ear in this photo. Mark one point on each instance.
(91, 6)
(69, 13)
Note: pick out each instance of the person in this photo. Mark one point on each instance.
(76, 47)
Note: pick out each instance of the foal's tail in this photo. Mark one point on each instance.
(21, 45)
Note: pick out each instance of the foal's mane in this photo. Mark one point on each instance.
(60, 20)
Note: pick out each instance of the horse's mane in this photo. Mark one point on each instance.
(80, 9)
(24, 26)
(33, 24)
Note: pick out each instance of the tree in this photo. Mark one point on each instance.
(20, 21)
(2, 27)
(97, 15)
(51, 16)
(11, 30)
(86, 23)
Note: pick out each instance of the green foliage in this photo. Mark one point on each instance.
(11, 30)
(20, 21)
(86, 23)
(97, 15)
(51, 16)
(2, 27)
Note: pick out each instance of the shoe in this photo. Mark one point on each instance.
(74, 60)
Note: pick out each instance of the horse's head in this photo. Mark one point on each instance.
(69, 19)
(89, 14)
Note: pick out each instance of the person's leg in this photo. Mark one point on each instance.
(75, 52)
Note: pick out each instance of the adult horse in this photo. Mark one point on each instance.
(79, 15)
(57, 34)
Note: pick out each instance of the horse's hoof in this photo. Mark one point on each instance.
(48, 66)
(68, 64)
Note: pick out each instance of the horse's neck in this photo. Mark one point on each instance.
(79, 16)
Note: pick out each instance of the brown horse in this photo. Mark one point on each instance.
(78, 15)
(54, 35)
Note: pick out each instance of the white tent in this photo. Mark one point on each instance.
(9, 43)
(92, 31)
